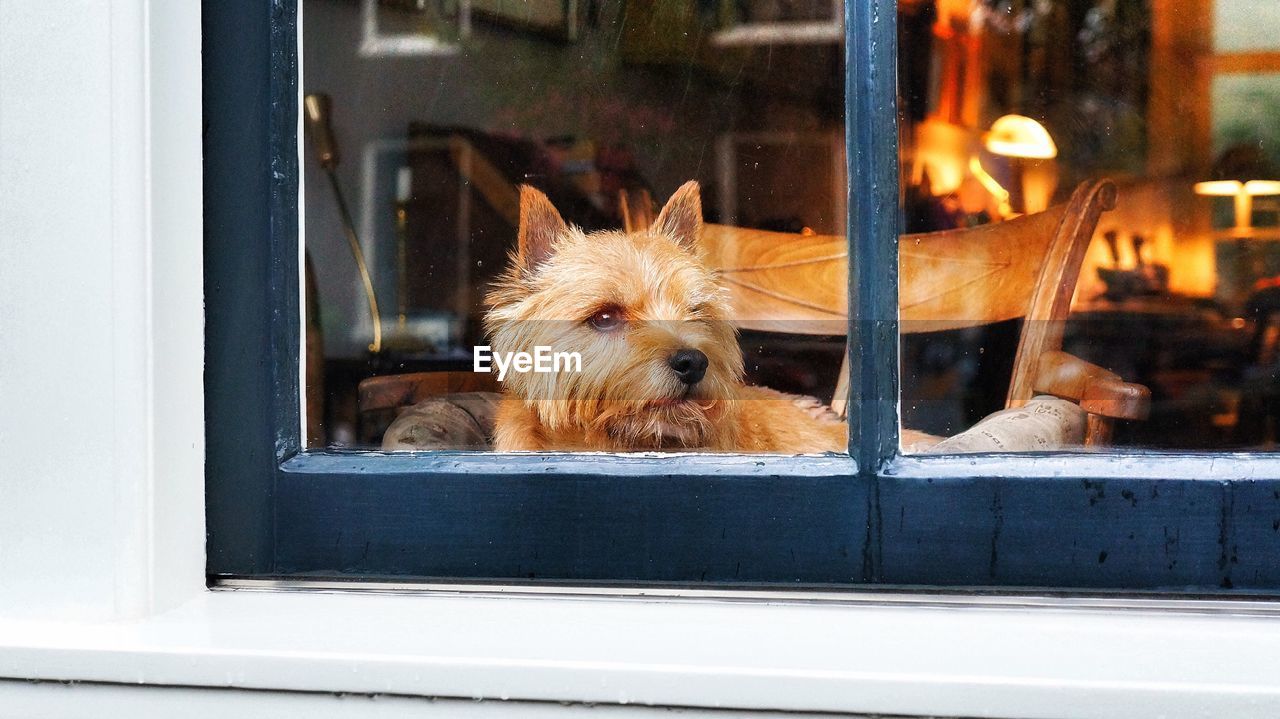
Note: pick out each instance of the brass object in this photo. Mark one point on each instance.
(317, 108)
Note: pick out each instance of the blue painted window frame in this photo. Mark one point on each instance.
(1193, 523)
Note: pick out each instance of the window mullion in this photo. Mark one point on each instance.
(872, 137)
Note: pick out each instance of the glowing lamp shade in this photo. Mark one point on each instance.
(1219, 188)
(1019, 136)
(1244, 192)
(1262, 188)
(1231, 188)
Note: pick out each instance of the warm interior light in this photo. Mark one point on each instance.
(995, 188)
(942, 150)
(1244, 192)
(1219, 188)
(1019, 136)
(1259, 188)
(1230, 188)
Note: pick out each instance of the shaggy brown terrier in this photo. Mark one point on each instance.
(661, 368)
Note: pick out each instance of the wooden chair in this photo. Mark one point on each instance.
(790, 283)
(1025, 268)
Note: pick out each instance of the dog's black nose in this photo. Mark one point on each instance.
(690, 365)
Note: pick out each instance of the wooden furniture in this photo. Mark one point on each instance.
(1025, 268)
(384, 397)
(1103, 395)
(798, 284)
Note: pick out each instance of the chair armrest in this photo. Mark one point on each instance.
(1117, 399)
(1098, 391)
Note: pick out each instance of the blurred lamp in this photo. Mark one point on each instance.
(1020, 137)
(1025, 145)
(1243, 192)
(1262, 188)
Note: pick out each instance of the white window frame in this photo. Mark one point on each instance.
(102, 494)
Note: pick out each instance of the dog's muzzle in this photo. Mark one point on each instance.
(689, 365)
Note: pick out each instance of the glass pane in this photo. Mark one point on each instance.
(1245, 25)
(1029, 325)
(705, 317)
(1245, 107)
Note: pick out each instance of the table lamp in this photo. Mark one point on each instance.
(1243, 192)
(1020, 137)
(1024, 142)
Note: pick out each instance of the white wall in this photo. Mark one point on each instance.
(99, 184)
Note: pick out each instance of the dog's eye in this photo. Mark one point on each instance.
(609, 318)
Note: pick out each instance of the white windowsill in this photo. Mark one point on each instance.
(964, 661)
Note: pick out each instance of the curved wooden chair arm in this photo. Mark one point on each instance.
(1067, 376)
(1098, 391)
(1117, 399)
(1103, 395)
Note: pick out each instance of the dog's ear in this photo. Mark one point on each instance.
(540, 225)
(681, 217)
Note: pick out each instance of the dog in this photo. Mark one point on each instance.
(661, 368)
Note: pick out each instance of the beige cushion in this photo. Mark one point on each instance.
(463, 420)
(1041, 425)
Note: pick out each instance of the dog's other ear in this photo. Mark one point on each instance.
(681, 217)
(540, 225)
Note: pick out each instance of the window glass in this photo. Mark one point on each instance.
(611, 305)
(1245, 25)
(1035, 314)
(1245, 108)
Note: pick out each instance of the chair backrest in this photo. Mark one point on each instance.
(1026, 267)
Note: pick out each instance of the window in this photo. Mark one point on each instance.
(414, 202)
(1017, 105)
(429, 182)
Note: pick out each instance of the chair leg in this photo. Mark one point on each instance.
(1097, 430)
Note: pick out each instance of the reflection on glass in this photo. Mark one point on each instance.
(441, 111)
(404, 28)
(1121, 291)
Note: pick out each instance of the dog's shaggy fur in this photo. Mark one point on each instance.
(628, 303)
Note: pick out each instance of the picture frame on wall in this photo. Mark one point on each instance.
(556, 19)
(779, 22)
(413, 28)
